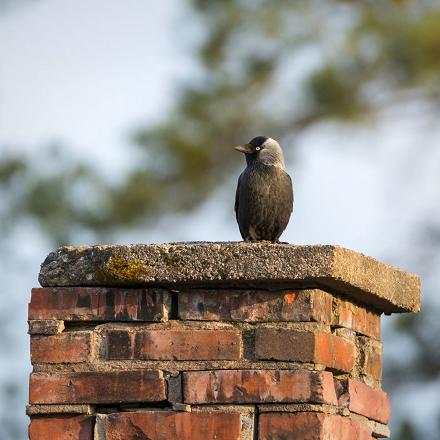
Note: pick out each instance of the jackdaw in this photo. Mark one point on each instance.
(264, 197)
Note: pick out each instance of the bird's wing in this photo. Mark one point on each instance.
(291, 195)
(282, 192)
(237, 198)
(241, 227)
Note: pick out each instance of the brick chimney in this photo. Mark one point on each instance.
(200, 341)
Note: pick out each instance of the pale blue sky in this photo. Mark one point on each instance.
(86, 73)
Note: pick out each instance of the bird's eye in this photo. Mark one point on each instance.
(258, 148)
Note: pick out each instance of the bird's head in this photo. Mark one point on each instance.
(264, 150)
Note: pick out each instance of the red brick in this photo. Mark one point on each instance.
(188, 344)
(62, 428)
(372, 325)
(100, 304)
(356, 318)
(119, 344)
(167, 425)
(71, 347)
(334, 352)
(98, 387)
(344, 428)
(45, 326)
(310, 426)
(258, 386)
(255, 305)
(302, 346)
(369, 357)
(366, 401)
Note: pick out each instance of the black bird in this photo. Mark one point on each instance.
(264, 197)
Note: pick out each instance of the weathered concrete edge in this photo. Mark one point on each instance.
(401, 289)
(38, 409)
(235, 265)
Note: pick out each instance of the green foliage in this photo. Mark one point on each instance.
(334, 92)
(9, 168)
(407, 431)
(424, 366)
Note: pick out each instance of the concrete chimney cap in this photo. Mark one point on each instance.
(235, 265)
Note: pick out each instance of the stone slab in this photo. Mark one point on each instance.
(38, 410)
(236, 265)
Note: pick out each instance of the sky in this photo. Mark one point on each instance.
(86, 74)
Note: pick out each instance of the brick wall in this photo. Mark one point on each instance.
(223, 362)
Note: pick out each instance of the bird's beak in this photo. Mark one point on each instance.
(246, 148)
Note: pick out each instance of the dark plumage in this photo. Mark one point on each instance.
(264, 197)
